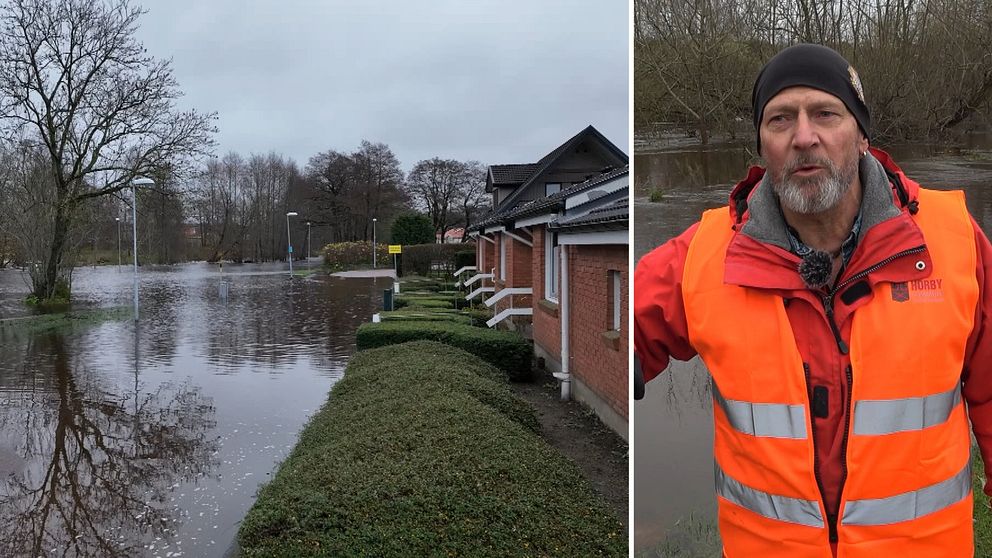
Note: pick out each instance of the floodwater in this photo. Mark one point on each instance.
(152, 440)
(673, 424)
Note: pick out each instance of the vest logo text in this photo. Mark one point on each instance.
(921, 290)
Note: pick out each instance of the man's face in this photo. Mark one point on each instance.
(811, 144)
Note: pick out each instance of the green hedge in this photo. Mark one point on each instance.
(419, 452)
(435, 260)
(478, 315)
(505, 349)
(431, 300)
(355, 255)
(427, 315)
(464, 258)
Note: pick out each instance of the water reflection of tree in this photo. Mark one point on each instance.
(687, 383)
(101, 465)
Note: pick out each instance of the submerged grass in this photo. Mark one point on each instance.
(422, 450)
(982, 513)
(62, 322)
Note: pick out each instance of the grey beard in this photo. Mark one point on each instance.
(827, 191)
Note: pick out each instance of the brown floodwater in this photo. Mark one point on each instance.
(673, 425)
(118, 440)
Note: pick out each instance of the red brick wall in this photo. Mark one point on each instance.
(518, 274)
(547, 324)
(492, 256)
(599, 361)
(519, 263)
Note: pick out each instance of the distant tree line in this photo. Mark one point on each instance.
(234, 207)
(926, 65)
(84, 111)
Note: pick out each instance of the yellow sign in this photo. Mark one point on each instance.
(395, 248)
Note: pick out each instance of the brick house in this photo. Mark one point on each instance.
(560, 235)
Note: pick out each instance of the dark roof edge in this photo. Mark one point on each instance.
(564, 148)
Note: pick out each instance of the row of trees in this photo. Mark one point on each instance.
(925, 64)
(84, 111)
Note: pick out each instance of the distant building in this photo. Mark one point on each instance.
(552, 260)
(192, 232)
(451, 236)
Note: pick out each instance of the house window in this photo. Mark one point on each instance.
(502, 256)
(616, 299)
(552, 188)
(552, 263)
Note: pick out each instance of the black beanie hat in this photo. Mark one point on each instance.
(814, 66)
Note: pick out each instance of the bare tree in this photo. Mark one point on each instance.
(74, 79)
(348, 190)
(442, 187)
(472, 196)
(925, 64)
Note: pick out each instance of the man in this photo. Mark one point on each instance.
(842, 311)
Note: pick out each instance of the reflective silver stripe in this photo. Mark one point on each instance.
(782, 508)
(909, 505)
(772, 420)
(876, 417)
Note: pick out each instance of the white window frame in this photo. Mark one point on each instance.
(617, 294)
(552, 265)
(502, 256)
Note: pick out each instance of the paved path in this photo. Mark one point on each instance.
(367, 273)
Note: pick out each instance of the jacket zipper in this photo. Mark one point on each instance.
(843, 451)
(832, 524)
(828, 299)
(828, 307)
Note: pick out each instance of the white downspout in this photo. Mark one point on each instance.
(566, 376)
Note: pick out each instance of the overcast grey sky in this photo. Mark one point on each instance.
(495, 81)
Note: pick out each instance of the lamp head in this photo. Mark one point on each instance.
(142, 181)
(292, 214)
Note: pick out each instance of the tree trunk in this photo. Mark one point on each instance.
(46, 286)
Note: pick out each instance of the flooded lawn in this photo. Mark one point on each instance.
(673, 424)
(118, 440)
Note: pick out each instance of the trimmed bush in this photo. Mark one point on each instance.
(504, 349)
(418, 452)
(427, 315)
(479, 315)
(430, 300)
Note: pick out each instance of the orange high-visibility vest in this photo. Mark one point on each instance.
(908, 487)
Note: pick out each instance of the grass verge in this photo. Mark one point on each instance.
(62, 321)
(422, 451)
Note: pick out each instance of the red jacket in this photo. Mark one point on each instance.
(660, 329)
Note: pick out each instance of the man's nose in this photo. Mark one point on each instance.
(805, 134)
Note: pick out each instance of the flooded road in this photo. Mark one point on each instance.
(152, 441)
(673, 424)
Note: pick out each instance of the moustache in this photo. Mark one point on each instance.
(808, 161)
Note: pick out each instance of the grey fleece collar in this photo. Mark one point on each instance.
(766, 224)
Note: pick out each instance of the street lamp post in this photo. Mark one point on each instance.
(118, 219)
(289, 240)
(142, 181)
(308, 244)
(373, 242)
